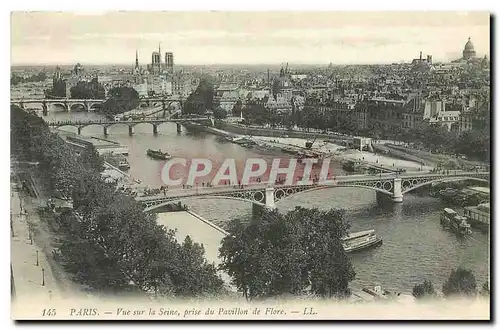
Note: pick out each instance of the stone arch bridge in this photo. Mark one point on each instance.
(89, 104)
(155, 122)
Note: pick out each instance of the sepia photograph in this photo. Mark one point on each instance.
(272, 165)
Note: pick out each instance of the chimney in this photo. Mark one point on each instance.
(420, 55)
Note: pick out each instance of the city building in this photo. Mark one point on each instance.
(169, 62)
(226, 96)
(468, 52)
(155, 67)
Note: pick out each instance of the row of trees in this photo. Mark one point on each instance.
(461, 282)
(474, 143)
(109, 243)
(295, 253)
(15, 79)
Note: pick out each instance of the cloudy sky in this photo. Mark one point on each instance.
(243, 37)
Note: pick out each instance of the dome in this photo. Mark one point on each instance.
(469, 45)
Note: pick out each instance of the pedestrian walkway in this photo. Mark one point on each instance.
(32, 275)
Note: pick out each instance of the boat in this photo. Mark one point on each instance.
(478, 216)
(451, 219)
(158, 154)
(353, 166)
(116, 160)
(123, 165)
(360, 241)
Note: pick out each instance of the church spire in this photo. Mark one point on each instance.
(136, 59)
(159, 50)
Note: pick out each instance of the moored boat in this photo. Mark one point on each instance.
(361, 240)
(451, 219)
(123, 165)
(478, 216)
(158, 154)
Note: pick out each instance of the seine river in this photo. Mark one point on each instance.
(415, 247)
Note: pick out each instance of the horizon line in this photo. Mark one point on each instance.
(214, 64)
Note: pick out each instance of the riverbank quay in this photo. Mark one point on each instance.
(33, 239)
(431, 159)
(324, 148)
(277, 132)
(101, 145)
(209, 129)
(31, 272)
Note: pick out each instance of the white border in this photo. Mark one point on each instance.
(96, 6)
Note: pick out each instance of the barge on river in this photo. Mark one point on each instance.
(451, 219)
(361, 240)
(158, 154)
(478, 216)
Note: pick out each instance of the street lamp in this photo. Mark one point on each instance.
(11, 225)
(43, 277)
(37, 258)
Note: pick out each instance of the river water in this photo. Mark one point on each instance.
(415, 247)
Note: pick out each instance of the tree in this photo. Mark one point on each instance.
(220, 113)
(202, 99)
(288, 254)
(255, 112)
(108, 242)
(88, 90)
(237, 108)
(460, 282)
(485, 289)
(424, 290)
(331, 269)
(120, 99)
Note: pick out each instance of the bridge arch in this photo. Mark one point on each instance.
(28, 105)
(60, 104)
(321, 187)
(445, 179)
(92, 105)
(74, 104)
(202, 197)
(69, 125)
(125, 124)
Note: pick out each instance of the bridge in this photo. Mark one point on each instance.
(89, 104)
(264, 194)
(155, 122)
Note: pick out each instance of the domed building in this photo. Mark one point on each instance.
(485, 63)
(469, 52)
(469, 58)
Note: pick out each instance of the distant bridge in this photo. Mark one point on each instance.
(89, 104)
(155, 122)
(264, 194)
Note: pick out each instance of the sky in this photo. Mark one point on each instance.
(245, 37)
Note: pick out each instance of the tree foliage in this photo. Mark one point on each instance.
(120, 99)
(424, 290)
(88, 90)
(292, 253)
(202, 99)
(461, 282)
(220, 113)
(485, 289)
(255, 112)
(109, 243)
(15, 79)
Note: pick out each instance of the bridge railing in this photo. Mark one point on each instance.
(337, 180)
